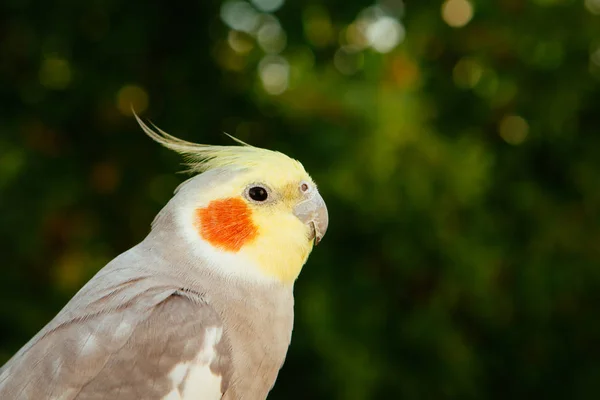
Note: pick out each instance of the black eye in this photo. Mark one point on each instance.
(258, 193)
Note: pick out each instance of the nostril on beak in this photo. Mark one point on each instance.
(313, 213)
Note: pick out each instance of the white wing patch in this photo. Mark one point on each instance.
(178, 373)
(173, 395)
(194, 379)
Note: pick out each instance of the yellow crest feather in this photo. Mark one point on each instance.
(202, 157)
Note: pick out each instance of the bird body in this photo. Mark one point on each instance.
(202, 308)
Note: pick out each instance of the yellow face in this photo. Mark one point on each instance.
(255, 216)
(269, 214)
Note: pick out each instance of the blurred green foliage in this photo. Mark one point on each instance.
(456, 144)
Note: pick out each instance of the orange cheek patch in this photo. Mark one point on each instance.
(226, 224)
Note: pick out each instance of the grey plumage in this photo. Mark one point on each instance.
(149, 310)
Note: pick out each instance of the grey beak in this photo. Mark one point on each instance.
(313, 212)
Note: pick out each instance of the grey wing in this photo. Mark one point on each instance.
(172, 349)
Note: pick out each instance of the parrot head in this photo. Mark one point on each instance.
(250, 212)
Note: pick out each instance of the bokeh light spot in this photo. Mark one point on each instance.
(593, 6)
(271, 37)
(374, 28)
(457, 13)
(268, 5)
(513, 129)
(240, 16)
(355, 35)
(55, 73)
(385, 33)
(274, 72)
(240, 42)
(132, 96)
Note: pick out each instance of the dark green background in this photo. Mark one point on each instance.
(461, 171)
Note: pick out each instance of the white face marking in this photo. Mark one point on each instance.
(233, 265)
(200, 381)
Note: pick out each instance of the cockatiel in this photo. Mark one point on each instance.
(202, 308)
